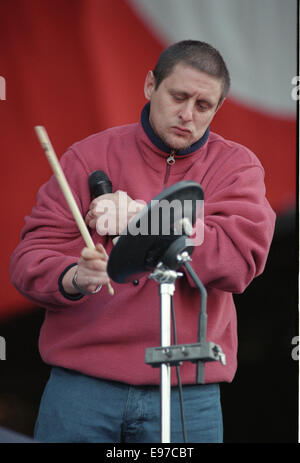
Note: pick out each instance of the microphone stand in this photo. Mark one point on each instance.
(165, 254)
(166, 355)
(166, 279)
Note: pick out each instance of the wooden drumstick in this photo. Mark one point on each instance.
(62, 181)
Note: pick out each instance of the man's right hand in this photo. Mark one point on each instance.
(110, 213)
(91, 271)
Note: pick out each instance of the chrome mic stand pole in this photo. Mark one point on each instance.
(166, 291)
(166, 279)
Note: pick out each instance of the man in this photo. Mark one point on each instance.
(100, 389)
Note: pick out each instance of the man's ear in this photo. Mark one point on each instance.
(149, 85)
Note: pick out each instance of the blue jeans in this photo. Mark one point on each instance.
(78, 408)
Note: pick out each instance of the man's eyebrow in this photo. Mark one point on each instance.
(179, 92)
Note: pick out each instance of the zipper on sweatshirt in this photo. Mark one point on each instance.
(170, 162)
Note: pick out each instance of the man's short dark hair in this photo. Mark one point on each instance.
(199, 55)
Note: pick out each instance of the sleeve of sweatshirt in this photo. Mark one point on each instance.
(238, 228)
(50, 240)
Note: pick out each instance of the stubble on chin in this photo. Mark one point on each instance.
(171, 144)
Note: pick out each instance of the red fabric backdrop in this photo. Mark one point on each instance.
(77, 67)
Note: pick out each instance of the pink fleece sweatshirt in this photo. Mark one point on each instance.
(106, 336)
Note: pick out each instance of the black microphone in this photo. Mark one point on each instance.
(99, 184)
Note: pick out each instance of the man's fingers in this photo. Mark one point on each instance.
(92, 266)
(97, 265)
(101, 250)
(97, 253)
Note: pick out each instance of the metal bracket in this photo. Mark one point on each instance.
(175, 355)
(164, 275)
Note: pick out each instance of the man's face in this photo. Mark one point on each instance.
(183, 105)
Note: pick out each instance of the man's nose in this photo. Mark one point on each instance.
(186, 112)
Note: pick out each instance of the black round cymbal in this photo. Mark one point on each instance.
(149, 234)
